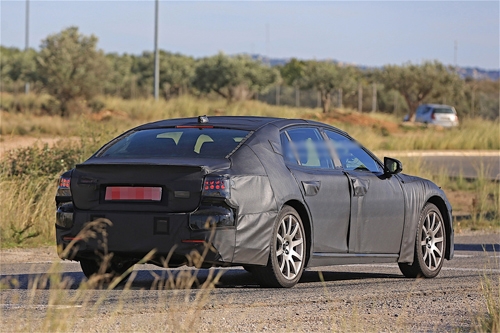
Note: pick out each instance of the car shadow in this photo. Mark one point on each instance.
(172, 279)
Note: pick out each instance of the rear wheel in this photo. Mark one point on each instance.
(92, 267)
(430, 245)
(287, 252)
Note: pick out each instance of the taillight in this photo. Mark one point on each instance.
(63, 193)
(216, 186)
(433, 116)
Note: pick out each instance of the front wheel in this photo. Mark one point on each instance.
(430, 245)
(287, 253)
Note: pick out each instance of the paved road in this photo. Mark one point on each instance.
(350, 297)
(469, 164)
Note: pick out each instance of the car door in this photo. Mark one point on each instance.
(377, 202)
(325, 189)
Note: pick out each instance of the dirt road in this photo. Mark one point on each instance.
(339, 298)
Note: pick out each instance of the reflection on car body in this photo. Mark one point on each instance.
(274, 195)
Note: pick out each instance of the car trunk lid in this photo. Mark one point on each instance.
(135, 185)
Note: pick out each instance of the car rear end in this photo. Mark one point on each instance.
(445, 116)
(165, 189)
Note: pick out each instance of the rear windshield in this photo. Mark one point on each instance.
(175, 142)
(443, 110)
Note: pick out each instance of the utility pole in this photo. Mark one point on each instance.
(27, 41)
(278, 93)
(455, 54)
(340, 92)
(157, 58)
(268, 42)
(374, 98)
(360, 97)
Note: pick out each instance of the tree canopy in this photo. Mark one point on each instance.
(234, 78)
(71, 66)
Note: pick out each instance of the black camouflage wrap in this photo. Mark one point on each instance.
(261, 184)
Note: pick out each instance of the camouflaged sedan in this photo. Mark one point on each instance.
(272, 195)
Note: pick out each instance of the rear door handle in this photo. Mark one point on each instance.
(311, 187)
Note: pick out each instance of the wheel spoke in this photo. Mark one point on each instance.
(431, 228)
(423, 243)
(279, 252)
(438, 240)
(424, 230)
(287, 266)
(438, 251)
(295, 229)
(437, 229)
(297, 242)
(289, 225)
(296, 255)
(426, 253)
(433, 256)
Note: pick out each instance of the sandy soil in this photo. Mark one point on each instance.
(13, 142)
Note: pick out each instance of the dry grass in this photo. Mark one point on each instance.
(377, 131)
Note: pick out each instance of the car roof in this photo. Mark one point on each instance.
(439, 105)
(250, 123)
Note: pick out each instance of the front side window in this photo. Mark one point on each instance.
(175, 142)
(352, 156)
(305, 147)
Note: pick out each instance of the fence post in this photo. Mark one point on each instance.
(297, 96)
(374, 98)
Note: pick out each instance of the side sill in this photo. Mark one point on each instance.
(326, 259)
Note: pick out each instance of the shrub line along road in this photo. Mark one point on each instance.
(350, 297)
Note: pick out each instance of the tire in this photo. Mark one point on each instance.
(430, 245)
(91, 267)
(287, 253)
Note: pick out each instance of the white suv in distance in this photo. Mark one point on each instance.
(436, 114)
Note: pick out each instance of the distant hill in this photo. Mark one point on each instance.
(464, 72)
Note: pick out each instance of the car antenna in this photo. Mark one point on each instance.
(202, 119)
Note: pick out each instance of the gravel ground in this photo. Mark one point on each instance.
(373, 298)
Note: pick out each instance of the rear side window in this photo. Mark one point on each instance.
(175, 142)
(306, 147)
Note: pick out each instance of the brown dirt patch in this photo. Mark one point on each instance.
(13, 142)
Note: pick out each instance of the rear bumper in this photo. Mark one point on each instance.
(132, 235)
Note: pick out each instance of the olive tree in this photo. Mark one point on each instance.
(327, 77)
(71, 67)
(416, 83)
(234, 78)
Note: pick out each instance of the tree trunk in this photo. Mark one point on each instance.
(412, 106)
(325, 101)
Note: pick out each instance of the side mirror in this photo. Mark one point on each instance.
(392, 166)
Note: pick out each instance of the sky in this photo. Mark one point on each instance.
(370, 33)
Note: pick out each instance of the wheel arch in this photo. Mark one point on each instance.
(306, 221)
(441, 205)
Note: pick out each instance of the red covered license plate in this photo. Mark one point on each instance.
(133, 193)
